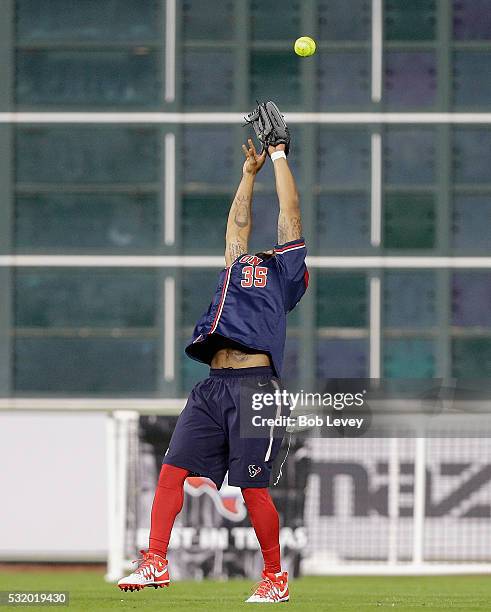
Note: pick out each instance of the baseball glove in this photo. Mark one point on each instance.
(269, 125)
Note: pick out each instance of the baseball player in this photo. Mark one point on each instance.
(242, 337)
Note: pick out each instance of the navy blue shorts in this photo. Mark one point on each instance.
(207, 439)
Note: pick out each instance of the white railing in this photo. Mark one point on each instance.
(238, 118)
(217, 261)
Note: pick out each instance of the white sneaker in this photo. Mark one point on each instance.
(273, 588)
(152, 571)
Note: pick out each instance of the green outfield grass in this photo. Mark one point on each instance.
(89, 591)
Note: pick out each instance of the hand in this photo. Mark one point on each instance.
(280, 147)
(253, 162)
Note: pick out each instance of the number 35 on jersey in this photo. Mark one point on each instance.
(253, 275)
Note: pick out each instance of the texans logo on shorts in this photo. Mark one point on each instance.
(254, 470)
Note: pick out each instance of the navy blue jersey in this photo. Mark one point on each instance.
(249, 308)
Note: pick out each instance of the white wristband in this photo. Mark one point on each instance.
(277, 154)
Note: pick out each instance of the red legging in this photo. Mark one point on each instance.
(167, 504)
(168, 501)
(266, 522)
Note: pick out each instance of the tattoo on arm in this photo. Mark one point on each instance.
(235, 249)
(281, 230)
(239, 222)
(289, 228)
(242, 217)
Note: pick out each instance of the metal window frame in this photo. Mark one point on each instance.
(170, 121)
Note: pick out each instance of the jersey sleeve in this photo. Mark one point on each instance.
(290, 258)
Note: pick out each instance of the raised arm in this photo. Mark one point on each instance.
(289, 219)
(240, 216)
